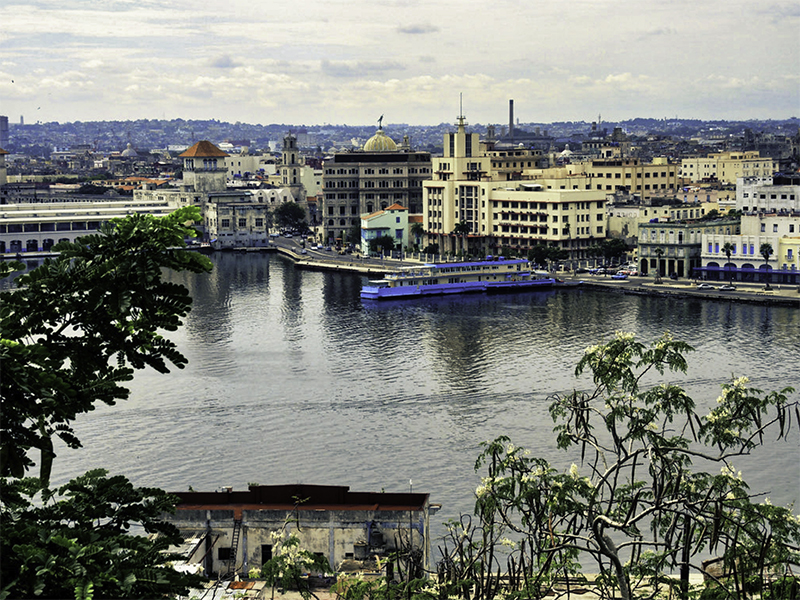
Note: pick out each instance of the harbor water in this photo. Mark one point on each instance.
(293, 379)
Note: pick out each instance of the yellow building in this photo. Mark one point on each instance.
(611, 175)
(467, 201)
(726, 167)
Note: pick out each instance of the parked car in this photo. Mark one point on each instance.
(727, 288)
(705, 286)
(619, 276)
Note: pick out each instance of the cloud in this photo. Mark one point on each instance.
(417, 29)
(661, 31)
(358, 68)
(224, 62)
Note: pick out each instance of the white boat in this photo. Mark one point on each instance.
(491, 275)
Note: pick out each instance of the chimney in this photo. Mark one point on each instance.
(511, 119)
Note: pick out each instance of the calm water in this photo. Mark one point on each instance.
(291, 379)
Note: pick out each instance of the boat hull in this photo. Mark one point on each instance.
(497, 287)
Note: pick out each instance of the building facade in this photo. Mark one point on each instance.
(368, 181)
(727, 167)
(391, 222)
(675, 247)
(780, 231)
(241, 528)
(232, 218)
(466, 207)
(778, 193)
(37, 227)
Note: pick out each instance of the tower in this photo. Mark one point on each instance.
(204, 167)
(291, 168)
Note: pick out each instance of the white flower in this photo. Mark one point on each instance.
(573, 471)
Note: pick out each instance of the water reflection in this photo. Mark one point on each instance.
(292, 379)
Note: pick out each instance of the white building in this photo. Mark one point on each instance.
(391, 222)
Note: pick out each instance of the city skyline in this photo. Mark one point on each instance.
(351, 62)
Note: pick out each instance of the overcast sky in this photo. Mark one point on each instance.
(349, 62)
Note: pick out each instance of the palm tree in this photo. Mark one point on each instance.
(766, 251)
(417, 229)
(659, 252)
(462, 229)
(727, 248)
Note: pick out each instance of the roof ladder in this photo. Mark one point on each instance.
(237, 528)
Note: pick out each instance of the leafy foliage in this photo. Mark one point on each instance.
(81, 544)
(384, 244)
(640, 506)
(290, 215)
(289, 564)
(73, 331)
(541, 254)
(76, 328)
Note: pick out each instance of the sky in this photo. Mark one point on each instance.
(419, 62)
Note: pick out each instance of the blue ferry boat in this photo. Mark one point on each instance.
(490, 275)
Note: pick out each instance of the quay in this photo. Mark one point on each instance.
(778, 295)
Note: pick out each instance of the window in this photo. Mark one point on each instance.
(774, 228)
(224, 553)
(225, 223)
(242, 222)
(266, 553)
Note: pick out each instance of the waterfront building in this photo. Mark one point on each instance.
(240, 528)
(37, 227)
(675, 247)
(781, 230)
(726, 167)
(232, 218)
(369, 180)
(497, 214)
(392, 222)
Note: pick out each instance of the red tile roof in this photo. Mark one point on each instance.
(204, 149)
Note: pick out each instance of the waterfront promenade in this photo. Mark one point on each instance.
(784, 295)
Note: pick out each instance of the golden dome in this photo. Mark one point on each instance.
(380, 142)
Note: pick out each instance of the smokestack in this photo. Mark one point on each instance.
(511, 119)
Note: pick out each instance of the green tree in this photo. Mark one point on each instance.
(539, 254)
(461, 229)
(613, 249)
(354, 233)
(73, 331)
(417, 229)
(383, 244)
(727, 248)
(290, 215)
(81, 544)
(652, 489)
(766, 251)
(659, 252)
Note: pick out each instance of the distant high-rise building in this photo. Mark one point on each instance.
(3, 131)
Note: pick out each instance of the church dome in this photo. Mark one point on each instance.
(129, 152)
(380, 142)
